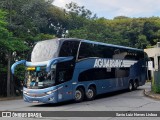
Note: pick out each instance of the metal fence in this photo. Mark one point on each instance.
(156, 78)
(156, 82)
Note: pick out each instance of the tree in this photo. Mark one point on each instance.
(78, 16)
(141, 42)
(3, 35)
(8, 45)
(25, 24)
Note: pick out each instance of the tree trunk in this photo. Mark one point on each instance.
(9, 75)
(12, 86)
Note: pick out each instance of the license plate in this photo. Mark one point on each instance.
(35, 101)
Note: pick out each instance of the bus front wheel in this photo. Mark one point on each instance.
(130, 87)
(79, 95)
(91, 93)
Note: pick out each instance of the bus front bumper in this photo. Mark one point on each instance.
(44, 99)
(40, 96)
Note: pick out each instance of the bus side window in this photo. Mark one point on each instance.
(61, 76)
(64, 72)
(95, 50)
(64, 75)
(96, 74)
(69, 48)
(86, 50)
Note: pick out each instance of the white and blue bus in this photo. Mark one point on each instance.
(67, 69)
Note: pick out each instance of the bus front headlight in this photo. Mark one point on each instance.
(24, 92)
(49, 92)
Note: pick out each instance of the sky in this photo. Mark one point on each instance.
(112, 8)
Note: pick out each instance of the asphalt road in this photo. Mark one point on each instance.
(121, 101)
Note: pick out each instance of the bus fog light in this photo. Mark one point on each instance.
(50, 99)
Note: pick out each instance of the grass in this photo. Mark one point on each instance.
(156, 88)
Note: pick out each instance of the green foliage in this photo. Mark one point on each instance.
(25, 22)
(20, 72)
(4, 33)
(76, 10)
(155, 82)
(156, 88)
(43, 36)
(141, 42)
(21, 25)
(7, 41)
(134, 32)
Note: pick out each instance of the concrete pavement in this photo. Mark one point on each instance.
(10, 98)
(118, 101)
(147, 92)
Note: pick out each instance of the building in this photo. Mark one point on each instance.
(154, 55)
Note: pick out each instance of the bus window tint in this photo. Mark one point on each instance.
(69, 48)
(94, 50)
(86, 50)
(103, 73)
(101, 51)
(134, 55)
(96, 74)
(64, 72)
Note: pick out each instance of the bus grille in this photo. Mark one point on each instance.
(36, 95)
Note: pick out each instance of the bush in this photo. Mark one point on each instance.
(156, 88)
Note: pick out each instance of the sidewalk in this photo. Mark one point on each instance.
(150, 94)
(10, 98)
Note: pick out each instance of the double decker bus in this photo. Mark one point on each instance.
(68, 68)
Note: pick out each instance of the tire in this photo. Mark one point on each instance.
(91, 93)
(135, 85)
(79, 95)
(130, 87)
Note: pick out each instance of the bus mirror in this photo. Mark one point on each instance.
(15, 64)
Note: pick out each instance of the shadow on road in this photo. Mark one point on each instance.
(54, 104)
(101, 96)
(111, 94)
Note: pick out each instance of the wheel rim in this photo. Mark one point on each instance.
(130, 86)
(135, 85)
(90, 93)
(78, 95)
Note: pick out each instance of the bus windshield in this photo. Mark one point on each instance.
(38, 78)
(45, 50)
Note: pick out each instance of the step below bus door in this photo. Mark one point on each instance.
(65, 92)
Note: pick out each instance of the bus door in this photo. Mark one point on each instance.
(65, 91)
(64, 77)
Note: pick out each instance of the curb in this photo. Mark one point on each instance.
(151, 95)
(10, 98)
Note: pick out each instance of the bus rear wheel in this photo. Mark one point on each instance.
(91, 93)
(135, 85)
(79, 95)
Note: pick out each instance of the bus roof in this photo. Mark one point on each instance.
(100, 43)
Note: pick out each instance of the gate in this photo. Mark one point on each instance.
(156, 82)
